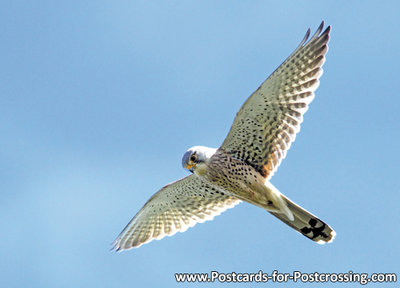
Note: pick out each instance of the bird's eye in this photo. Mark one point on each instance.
(193, 158)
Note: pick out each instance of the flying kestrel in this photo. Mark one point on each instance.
(240, 169)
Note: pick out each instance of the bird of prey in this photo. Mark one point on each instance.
(241, 168)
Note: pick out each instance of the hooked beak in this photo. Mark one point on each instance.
(190, 167)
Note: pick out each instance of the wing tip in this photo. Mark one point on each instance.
(115, 246)
(305, 38)
(317, 34)
(321, 27)
(118, 246)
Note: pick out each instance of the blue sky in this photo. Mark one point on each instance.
(100, 99)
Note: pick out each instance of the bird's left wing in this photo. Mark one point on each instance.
(174, 208)
(269, 120)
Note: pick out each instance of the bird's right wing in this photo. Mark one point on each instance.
(269, 120)
(174, 208)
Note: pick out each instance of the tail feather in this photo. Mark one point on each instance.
(306, 223)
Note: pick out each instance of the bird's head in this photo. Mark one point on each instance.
(196, 158)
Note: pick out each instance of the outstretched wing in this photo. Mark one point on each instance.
(176, 207)
(269, 120)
